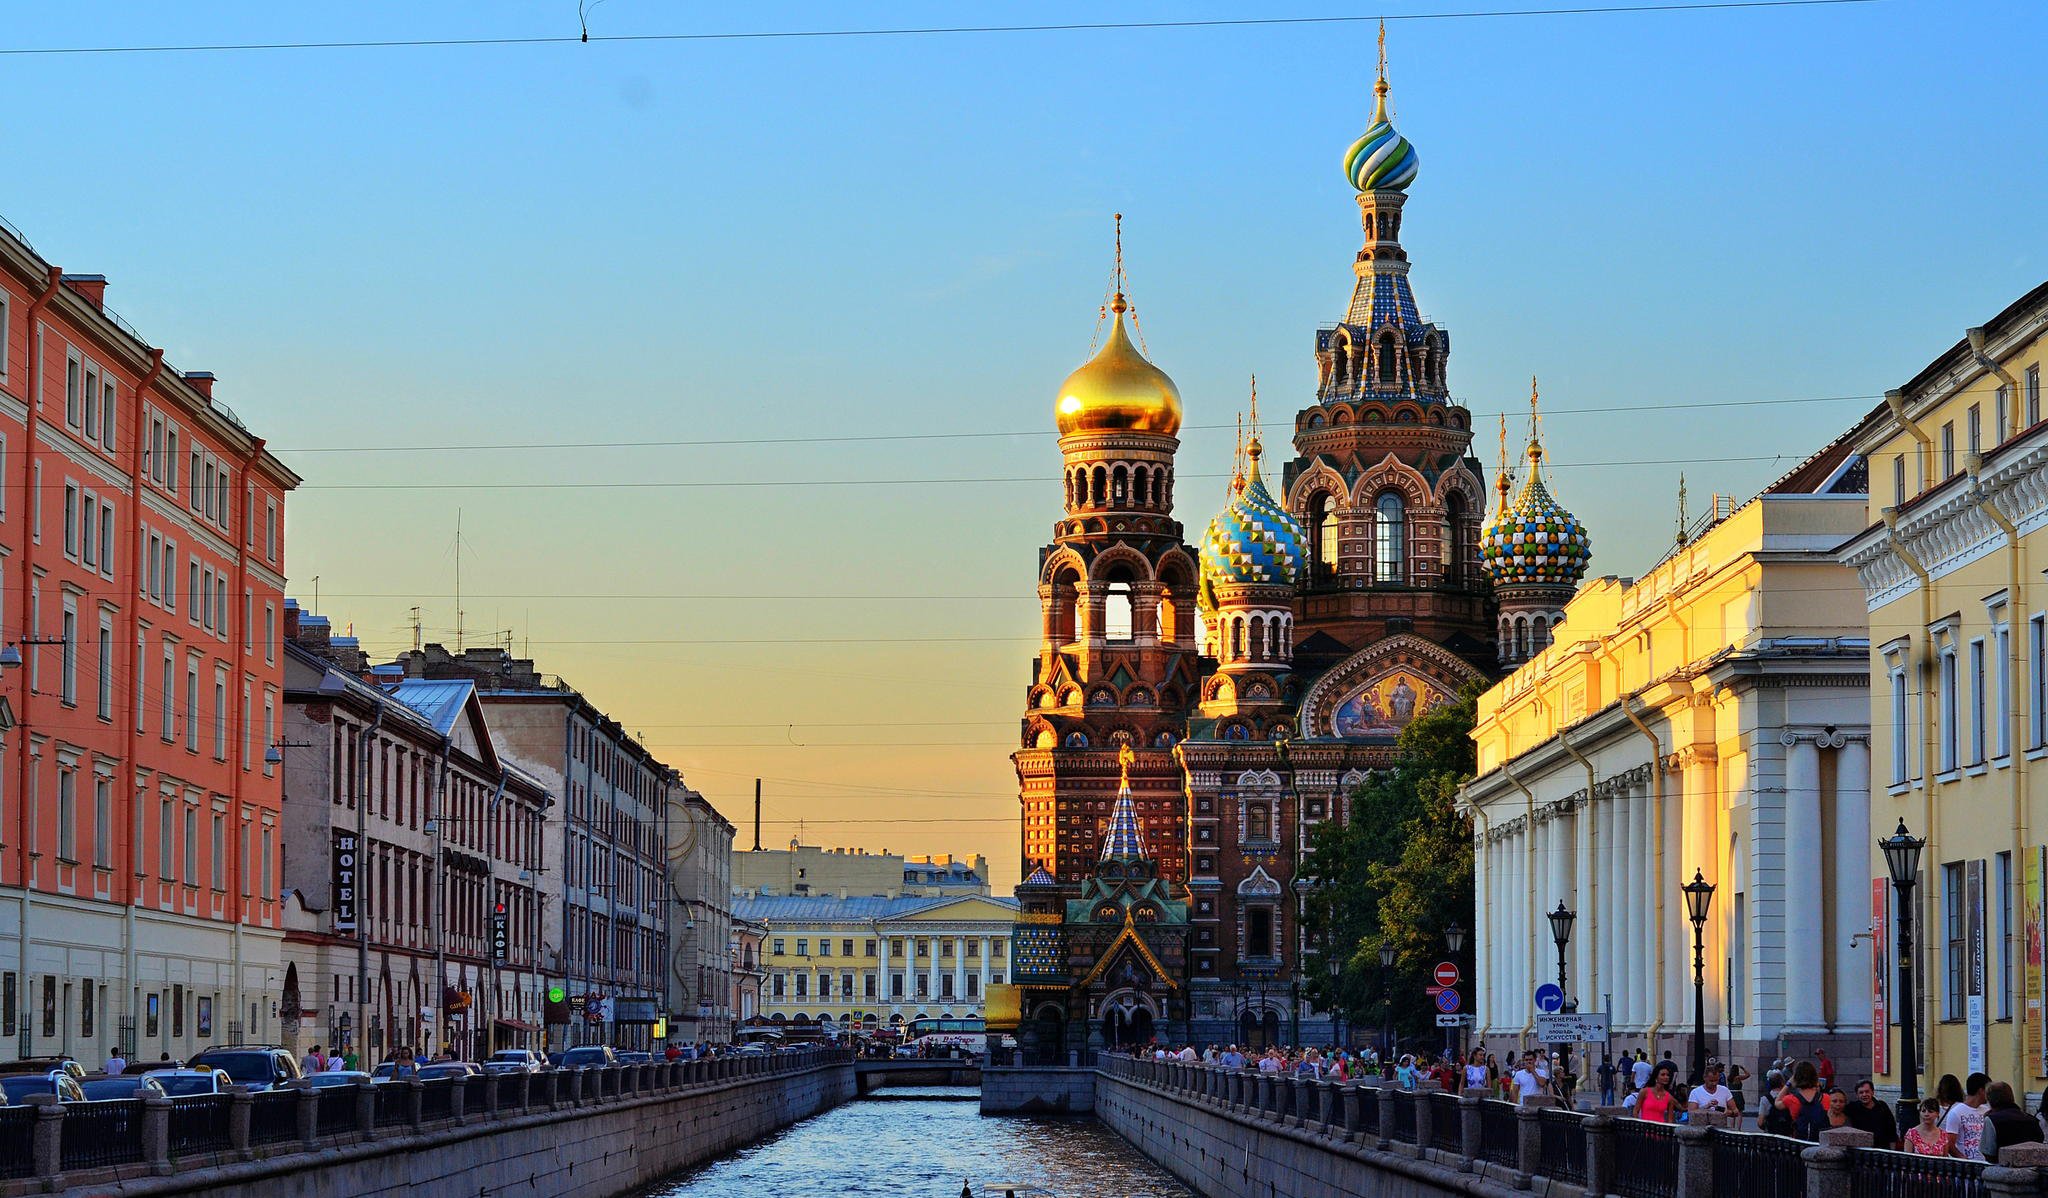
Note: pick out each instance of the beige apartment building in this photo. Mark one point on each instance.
(803, 869)
(1708, 718)
(1950, 566)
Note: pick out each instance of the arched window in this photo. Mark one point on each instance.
(1387, 358)
(1142, 480)
(1117, 492)
(1458, 556)
(1258, 635)
(1322, 535)
(1116, 612)
(1273, 639)
(1100, 487)
(1389, 539)
(1237, 639)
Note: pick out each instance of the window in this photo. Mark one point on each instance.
(2004, 404)
(220, 718)
(1258, 822)
(216, 874)
(107, 415)
(106, 667)
(2033, 392)
(70, 649)
(1977, 707)
(1949, 711)
(166, 842)
(1901, 732)
(846, 949)
(803, 948)
(1898, 480)
(170, 690)
(824, 947)
(269, 633)
(1389, 539)
(192, 707)
(170, 575)
(72, 369)
(103, 822)
(1955, 923)
(70, 520)
(67, 815)
(1976, 426)
(778, 984)
(270, 530)
(1258, 932)
(1948, 449)
(88, 527)
(4, 315)
(92, 404)
(263, 874)
(1116, 612)
(2001, 653)
(107, 538)
(191, 845)
(803, 985)
(2037, 682)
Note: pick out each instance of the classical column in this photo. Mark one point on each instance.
(1802, 843)
(1607, 876)
(1671, 962)
(959, 969)
(1852, 835)
(983, 984)
(1483, 972)
(1586, 888)
(1642, 969)
(931, 969)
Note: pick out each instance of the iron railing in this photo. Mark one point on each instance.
(1747, 1165)
(1446, 1123)
(1561, 1146)
(1404, 1116)
(274, 1117)
(17, 1141)
(473, 1094)
(1877, 1173)
(199, 1124)
(1645, 1159)
(437, 1099)
(337, 1113)
(390, 1105)
(509, 1085)
(1499, 1136)
(102, 1133)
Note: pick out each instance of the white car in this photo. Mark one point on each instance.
(187, 1083)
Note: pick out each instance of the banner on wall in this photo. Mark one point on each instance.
(2036, 874)
(1973, 965)
(1880, 977)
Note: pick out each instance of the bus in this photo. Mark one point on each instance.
(946, 1036)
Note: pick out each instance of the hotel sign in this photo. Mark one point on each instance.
(345, 879)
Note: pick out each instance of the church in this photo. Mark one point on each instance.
(1196, 711)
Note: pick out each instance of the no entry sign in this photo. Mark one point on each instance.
(1446, 973)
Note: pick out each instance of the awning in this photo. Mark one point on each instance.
(515, 1024)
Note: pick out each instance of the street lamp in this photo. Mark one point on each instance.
(1699, 897)
(1454, 939)
(1902, 858)
(1336, 1002)
(1561, 921)
(1386, 1005)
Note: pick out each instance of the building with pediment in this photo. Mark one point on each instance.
(1327, 609)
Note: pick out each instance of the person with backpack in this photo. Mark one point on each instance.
(1809, 1102)
(2005, 1124)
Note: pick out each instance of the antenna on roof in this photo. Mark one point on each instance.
(418, 636)
(458, 580)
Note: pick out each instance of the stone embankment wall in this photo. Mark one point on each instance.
(1038, 1090)
(559, 1149)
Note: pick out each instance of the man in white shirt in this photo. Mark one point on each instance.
(1642, 1070)
(1710, 1096)
(1965, 1120)
(115, 1063)
(1188, 1053)
(1527, 1084)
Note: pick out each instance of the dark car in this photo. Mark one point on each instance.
(590, 1056)
(258, 1068)
(17, 1088)
(113, 1089)
(635, 1058)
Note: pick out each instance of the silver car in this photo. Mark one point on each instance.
(191, 1083)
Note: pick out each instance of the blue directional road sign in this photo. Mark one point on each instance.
(1549, 999)
(1447, 1001)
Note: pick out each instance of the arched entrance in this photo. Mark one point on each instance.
(1258, 1029)
(1050, 1036)
(1127, 1021)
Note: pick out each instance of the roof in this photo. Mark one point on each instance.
(441, 702)
(801, 908)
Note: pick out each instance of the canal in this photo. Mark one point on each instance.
(922, 1142)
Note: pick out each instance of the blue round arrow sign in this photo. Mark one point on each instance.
(1549, 999)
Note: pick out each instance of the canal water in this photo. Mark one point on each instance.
(923, 1142)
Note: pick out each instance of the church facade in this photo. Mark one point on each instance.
(1258, 676)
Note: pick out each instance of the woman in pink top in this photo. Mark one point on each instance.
(1657, 1104)
(1928, 1139)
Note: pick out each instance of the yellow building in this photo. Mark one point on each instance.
(1951, 572)
(1709, 716)
(878, 962)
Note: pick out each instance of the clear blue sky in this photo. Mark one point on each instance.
(870, 236)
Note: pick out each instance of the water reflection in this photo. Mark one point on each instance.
(922, 1142)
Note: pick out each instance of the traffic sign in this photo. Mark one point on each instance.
(1448, 1001)
(1453, 1020)
(1549, 999)
(1446, 973)
(1433, 991)
(1589, 1028)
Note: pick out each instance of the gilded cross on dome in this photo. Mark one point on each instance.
(1124, 758)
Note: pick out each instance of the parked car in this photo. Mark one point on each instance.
(429, 1070)
(189, 1083)
(17, 1088)
(635, 1058)
(101, 1088)
(259, 1067)
(328, 1079)
(521, 1060)
(590, 1056)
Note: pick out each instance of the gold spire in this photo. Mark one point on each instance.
(1252, 448)
(1535, 430)
(1124, 758)
(1118, 390)
(1119, 304)
(1237, 459)
(1504, 480)
(1379, 87)
(1681, 508)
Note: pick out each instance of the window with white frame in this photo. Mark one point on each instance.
(191, 844)
(69, 676)
(103, 822)
(74, 371)
(170, 716)
(70, 520)
(166, 841)
(220, 716)
(2037, 679)
(2001, 690)
(1901, 729)
(105, 680)
(170, 575)
(1951, 708)
(6, 321)
(88, 532)
(107, 414)
(2033, 393)
(107, 538)
(216, 856)
(192, 706)
(1955, 925)
(1977, 701)
(67, 815)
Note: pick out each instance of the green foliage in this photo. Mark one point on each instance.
(1398, 872)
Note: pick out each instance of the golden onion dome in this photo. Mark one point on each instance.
(1118, 391)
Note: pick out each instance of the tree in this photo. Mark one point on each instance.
(1398, 872)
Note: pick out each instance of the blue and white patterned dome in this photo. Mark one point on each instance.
(1254, 539)
(1382, 160)
(1535, 541)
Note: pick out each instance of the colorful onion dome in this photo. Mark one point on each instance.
(1253, 539)
(1535, 541)
(1382, 160)
(1118, 390)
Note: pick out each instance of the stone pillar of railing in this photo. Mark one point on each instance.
(2017, 1173)
(1425, 1117)
(1600, 1150)
(1233, 1090)
(156, 1137)
(46, 1147)
(1334, 1102)
(240, 1103)
(308, 1113)
(1351, 1111)
(1261, 1087)
(1827, 1168)
(1529, 1136)
(366, 1109)
(1471, 1127)
(415, 1100)
(1384, 1104)
(1299, 1094)
(458, 1100)
(1283, 1098)
(1695, 1161)
(492, 1101)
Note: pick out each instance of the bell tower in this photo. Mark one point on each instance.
(1116, 664)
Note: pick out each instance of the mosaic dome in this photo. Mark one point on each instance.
(1535, 541)
(1254, 539)
(1382, 160)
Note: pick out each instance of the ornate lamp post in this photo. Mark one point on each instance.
(1336, 1002)
(1561, 921)
(1902, 858)
(1454, 939)
(1699, 897)
(1386, 1005)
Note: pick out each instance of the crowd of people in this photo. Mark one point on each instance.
(1969, 1119)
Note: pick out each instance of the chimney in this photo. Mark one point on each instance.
(199, 380)
(92, 287)
(291, 619)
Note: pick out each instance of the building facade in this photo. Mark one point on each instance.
(748, 974)
(1329, 612)
(1705, 721)
(873, 963)
(606, 930)
(700, 983)
(142, 561)
(803, 869)
(411, 878)
(1950, 568)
